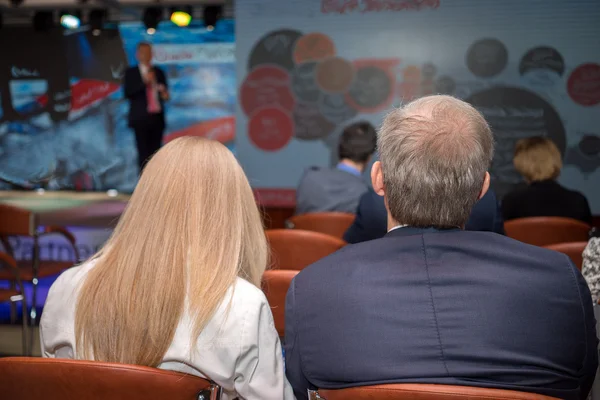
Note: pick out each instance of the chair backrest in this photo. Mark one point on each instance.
(59, 379)
(330, 223)
(7, 262)
(412, 391)
(544, 231)
(573, 249)
(275, 285)
(16, 221)
(296, 249)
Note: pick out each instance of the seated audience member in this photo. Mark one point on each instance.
(177, 286)
(539, 161)
(430, 302)
(371, 217)
(591, 266)
(339, 188)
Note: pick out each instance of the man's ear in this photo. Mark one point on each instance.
(377, 178)
(486, 185)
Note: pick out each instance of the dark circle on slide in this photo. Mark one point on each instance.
(276, 47)
(372, 87)
(335, 108)
(511, 99)
(309, 123)
(445, 85)
(504, 96)
(590, 145)
(304, 82)
(542, 57)
(487, 58)
(428, 71)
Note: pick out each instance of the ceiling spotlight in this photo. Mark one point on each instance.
(96, 20)
(43, 21)
(152, 17)
(211, 15)
(181, 16)
(70, 20)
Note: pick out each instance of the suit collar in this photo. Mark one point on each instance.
(411, 230)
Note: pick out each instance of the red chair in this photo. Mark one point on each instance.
(276, 283)
(15, 221)
(295, 249)
(413, 391)
(573, 249)
(330, 223)
(544, 231)
(59, 379)
(15, 294)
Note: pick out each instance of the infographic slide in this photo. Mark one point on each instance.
(63, 117)
(306, 69)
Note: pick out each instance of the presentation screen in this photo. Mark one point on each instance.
(308, 68)
(63, 118)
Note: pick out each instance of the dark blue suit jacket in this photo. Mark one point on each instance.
(134, 90)
(448, 307)
(371, 217)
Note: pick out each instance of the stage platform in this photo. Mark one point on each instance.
(90, 216)
(88, 211)
(95, 209)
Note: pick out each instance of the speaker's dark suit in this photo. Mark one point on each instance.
(449, 307)
(148, 127)
(371, 217)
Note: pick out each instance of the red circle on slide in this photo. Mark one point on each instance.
(267, 85)
(584, 84)
(270, 128)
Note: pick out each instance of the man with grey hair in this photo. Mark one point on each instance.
(430, 302)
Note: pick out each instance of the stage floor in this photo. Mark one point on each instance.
(97, 209)
(68, 209)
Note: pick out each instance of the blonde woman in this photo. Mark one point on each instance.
(177, 286)
(539, 161)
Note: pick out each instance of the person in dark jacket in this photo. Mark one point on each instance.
(339, 189)
(146, 88)
(371, 217)
(430, 302)
(539, 161)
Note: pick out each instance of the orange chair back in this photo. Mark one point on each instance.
(544, 231)
(58, 379)
(426, 392)
(573, 249)
(296, 249)
(330, 223)
(275, 284)
(16, 221)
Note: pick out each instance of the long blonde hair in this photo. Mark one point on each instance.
(190, 229)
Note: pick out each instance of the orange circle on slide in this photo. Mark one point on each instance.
(412, 73)
(313, 47)
(335, 75)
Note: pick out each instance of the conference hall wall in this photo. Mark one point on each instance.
(63, 115)
(307, 68)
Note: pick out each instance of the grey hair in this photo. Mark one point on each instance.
(434, 154)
